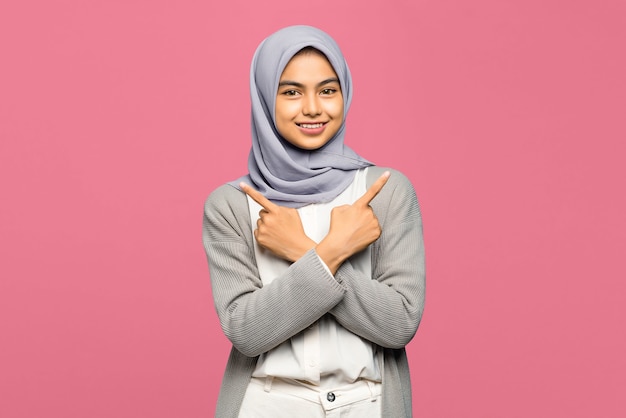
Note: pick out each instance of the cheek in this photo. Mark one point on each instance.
(284, 118)
(336, 109)
(286, 110)
(281, 125)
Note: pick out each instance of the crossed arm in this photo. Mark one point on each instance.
(352, 228)
(256, 318)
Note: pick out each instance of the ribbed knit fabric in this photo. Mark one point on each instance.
(385, 309)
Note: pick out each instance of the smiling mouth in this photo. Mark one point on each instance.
(310, 125)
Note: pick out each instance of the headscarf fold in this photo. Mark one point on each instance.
(283, 173)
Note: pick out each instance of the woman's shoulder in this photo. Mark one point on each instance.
(396, 179)
(226, 215)
(226, 199)
(225, 191)
(397, 199)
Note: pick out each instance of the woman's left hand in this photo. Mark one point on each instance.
(352, 228)
(279, 229)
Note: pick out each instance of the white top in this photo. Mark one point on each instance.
(325, 354)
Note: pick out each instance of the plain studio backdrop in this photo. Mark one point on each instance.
(118, 118)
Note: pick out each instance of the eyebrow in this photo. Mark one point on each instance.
(300, 85)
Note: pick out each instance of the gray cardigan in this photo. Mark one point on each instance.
(385, 308)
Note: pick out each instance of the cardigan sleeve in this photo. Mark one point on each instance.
(387, 307)
(256, 318)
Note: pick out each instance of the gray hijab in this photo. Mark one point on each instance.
(283, 173)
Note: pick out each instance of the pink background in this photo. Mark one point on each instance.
(117, 118)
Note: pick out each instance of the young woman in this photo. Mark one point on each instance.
(316, 256)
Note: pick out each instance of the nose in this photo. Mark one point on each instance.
(311, 105)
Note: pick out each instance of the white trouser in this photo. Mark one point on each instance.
(276, 398)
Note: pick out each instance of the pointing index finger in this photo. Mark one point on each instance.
(373, 191)
(257, 196)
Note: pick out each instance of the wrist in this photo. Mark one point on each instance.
(331, 254)
(297, 251)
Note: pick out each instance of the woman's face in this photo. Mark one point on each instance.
(309, 104)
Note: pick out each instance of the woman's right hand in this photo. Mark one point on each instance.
(352, 228)
(279, 229)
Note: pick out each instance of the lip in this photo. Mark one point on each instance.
(312, 130)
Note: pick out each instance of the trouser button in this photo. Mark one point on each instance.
(330, 396)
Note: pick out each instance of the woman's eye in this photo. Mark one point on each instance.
(328, 91)
(290, 92)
